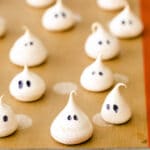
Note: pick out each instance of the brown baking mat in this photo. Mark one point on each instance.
(66, 61)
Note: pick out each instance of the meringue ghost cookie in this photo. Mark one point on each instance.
(58, 18)
(126, 24)
(115, 110)
(8, 121)
(39, 3)
(97, 77)
(101, 42)
(27, 86)
(28, 50)
(111, 4)
(2, 26)
(71, 126)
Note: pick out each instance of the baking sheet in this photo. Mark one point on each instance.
(66, 61)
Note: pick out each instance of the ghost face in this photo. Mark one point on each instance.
(8, 122)
(126, 25)
(102, 43)
(58, 18)
(28, 50)
(27, 87)
(96, 78)
(71, 126)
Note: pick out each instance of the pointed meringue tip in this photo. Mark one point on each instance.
(25, 68)
(96, 26)
(25, 28)
(127, 7)
(71, 99)
(1, 99)
(72, 93)
(99, 58)
(59, 2)
(120, 85)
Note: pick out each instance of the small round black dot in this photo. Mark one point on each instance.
(107, 106)
(93, 72)
(108, 42)
(20, 84)
(28, 83)
(56, 15)
(31, 43)
(75, 117)
(63, 14)
(69, 117)
(5, 118)
(100, 42)
(115, 108)
(123, 22)
(100, 73)
(26, 44)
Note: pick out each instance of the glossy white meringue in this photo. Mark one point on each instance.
(39, 3)
(111, 4)
(115, 110)
(126, 24)
(58, 18)
(27, 86)
(97, 77)
(102, 42)
(28, 50)
(8, 121)
(71, 126)
(2, 26)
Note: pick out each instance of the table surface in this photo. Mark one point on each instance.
(66, 61)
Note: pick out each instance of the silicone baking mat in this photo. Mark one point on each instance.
(65, 63)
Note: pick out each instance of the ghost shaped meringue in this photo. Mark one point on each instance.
(71, 126)
(102, 42)
(28, 50)
(115, 110)
(58, 18)
(39, 3)
(126, 24)
(2, 26)
(8, 121)
(27, 86)
(97, 77)
(111, 4)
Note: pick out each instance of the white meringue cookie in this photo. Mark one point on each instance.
(97, 77)
(71, 126)
(2, 26)
(8, 121)
(28, 50)
(58, 18)
(39, 3)
(27, 86)
(126, 24)
(111, 4)
(115, 110)
(101, 42)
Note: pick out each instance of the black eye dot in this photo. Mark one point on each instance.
(26, 44)
(108, 42)
(63, 14)
(69, 117)
(107, 106)
(123, 22)
(5, 118)
(75, 117)
(100, 73)
(28, 83)
(20, 84)
(130, 21)
(115, 108)
(93, 72)
(100, 42)
(56, 15)
(31, 43)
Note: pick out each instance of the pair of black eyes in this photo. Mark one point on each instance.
(99, 73)
(123, 22)
(62, 14)
(115, 108)
(74, 117)
(5, 118)
(29, 43)
(20, 84)
(101, 42)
